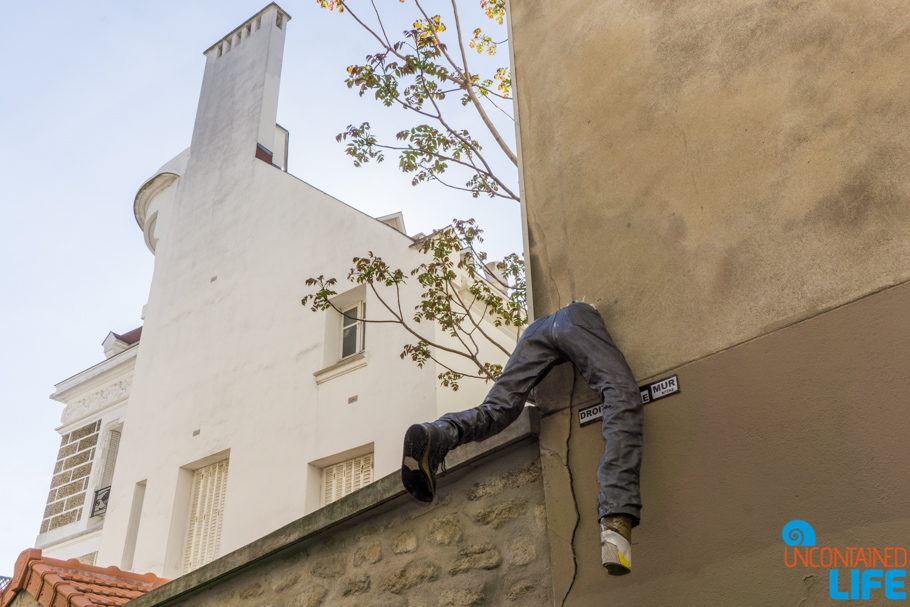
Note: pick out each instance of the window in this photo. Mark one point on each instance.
(203, 537)
(352, 329)
(113, 446)
(344, 477)
(99, 503)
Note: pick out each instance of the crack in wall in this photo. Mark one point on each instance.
(549, 268)
(572, 490)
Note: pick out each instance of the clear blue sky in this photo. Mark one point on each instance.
(96, 96)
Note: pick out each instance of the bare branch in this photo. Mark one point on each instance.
(505, 113)
(379, 19)
(455, 187)
(447, 368)
(482, 332)
(412, 331)
(489, 170)
(468, 85)
(474, 100)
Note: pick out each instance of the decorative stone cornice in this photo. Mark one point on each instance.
(97, 401)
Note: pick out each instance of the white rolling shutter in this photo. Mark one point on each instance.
(344, 477)
(203, 538)
(113, 445)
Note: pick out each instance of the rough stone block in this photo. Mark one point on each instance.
(519, 590)
(68, 450)
(329, 567)
(45, 525)
(74, 502)
(522, 552)
(61, 479)
(88, 441)
(58, 467)
(476, 556)
(251, 591)
(501, 514)
(285, 582)
(64, 439)
(82, 471)
(83, 432)
(415, 573)
(510, 480)
(53, 509)
(87, 559)
(311, 597)
(371, 553)
(71, 489)
(463, 597)
(358, 584)
(445, 531)
(64, 519)
(374, 529)
(406, 542)
(52, 496)
(540, 515)
(78, 459)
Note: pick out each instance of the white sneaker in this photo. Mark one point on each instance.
(615, 552)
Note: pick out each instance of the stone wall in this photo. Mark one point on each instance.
(482, 543)
(71, 476)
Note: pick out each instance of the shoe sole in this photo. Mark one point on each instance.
(614, 569)
(416, 475)
(616, 553)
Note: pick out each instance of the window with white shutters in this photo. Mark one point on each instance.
(203, 538)
(113, 446)
(103, 492)
(344, 477)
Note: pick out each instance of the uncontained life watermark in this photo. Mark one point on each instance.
(854, 572)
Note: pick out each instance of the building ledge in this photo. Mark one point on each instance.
(342, 367)
(42, 543)
(383, 491)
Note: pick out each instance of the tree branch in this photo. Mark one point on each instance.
(467, 84)
(412, 331)
(379, 19)
(470, 91)
(489, 171)
(482, 332)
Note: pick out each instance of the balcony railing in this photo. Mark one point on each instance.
(99, 504)
(3, 582)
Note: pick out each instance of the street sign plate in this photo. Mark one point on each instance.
(649, 393)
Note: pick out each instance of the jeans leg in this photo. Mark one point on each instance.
(581, 335)
(532, 359)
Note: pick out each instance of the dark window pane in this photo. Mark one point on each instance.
(350, 317)
(349, 341)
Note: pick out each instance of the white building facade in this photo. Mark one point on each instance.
(238, 410)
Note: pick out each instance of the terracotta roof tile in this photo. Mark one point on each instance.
(55, 583)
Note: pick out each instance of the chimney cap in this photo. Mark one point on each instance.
(281, 11)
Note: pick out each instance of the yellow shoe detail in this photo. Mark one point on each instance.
(615, 551)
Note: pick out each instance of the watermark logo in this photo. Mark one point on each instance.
(799, 533)
(869, 569)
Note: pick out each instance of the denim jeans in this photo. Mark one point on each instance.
(573, 334)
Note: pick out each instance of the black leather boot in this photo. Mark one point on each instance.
(425, 448)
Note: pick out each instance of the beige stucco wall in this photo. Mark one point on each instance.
(728, 183)
(708, 171)
(808, 422)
